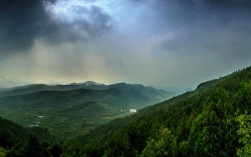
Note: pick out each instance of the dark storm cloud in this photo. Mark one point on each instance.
(23, 21)
(157, 42)
(81, 28)
(224, 3)
(20, 22)
(214, 21)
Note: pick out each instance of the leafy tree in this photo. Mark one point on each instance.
(56, 151)
(244, 133)
(34, 149)
(118, 145)
(163, 146)
(213, 131)
(138, 134)
(6, 140)
(242, 99)
(93, 149)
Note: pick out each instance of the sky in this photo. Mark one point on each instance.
(164, 43)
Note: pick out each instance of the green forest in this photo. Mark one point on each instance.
(213, 120)
(71, 110)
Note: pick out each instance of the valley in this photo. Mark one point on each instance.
(125, 78)
(72, 110)
(197, 123)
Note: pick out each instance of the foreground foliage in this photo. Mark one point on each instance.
(213, 120)
(71, 110)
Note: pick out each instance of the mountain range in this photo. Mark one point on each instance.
(212, 120)
(70, 110)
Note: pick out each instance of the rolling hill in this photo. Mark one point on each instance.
(12, 136)
(71, 110)
(43, 87)
(213, 120)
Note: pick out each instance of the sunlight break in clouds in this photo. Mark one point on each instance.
(70, 11)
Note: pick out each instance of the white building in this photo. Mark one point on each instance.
(132, 111)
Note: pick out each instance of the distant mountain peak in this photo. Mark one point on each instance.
(92, 83)
(88, 83)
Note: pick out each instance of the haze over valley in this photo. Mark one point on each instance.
(72, 110)
(125, 78)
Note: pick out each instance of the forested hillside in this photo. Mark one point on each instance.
(214, 120)
(71, 110)
(16, 141)
(173, 78)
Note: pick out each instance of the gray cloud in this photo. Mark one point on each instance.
(81, 28)
(22, 22)
(156, 42)
(224, 3)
